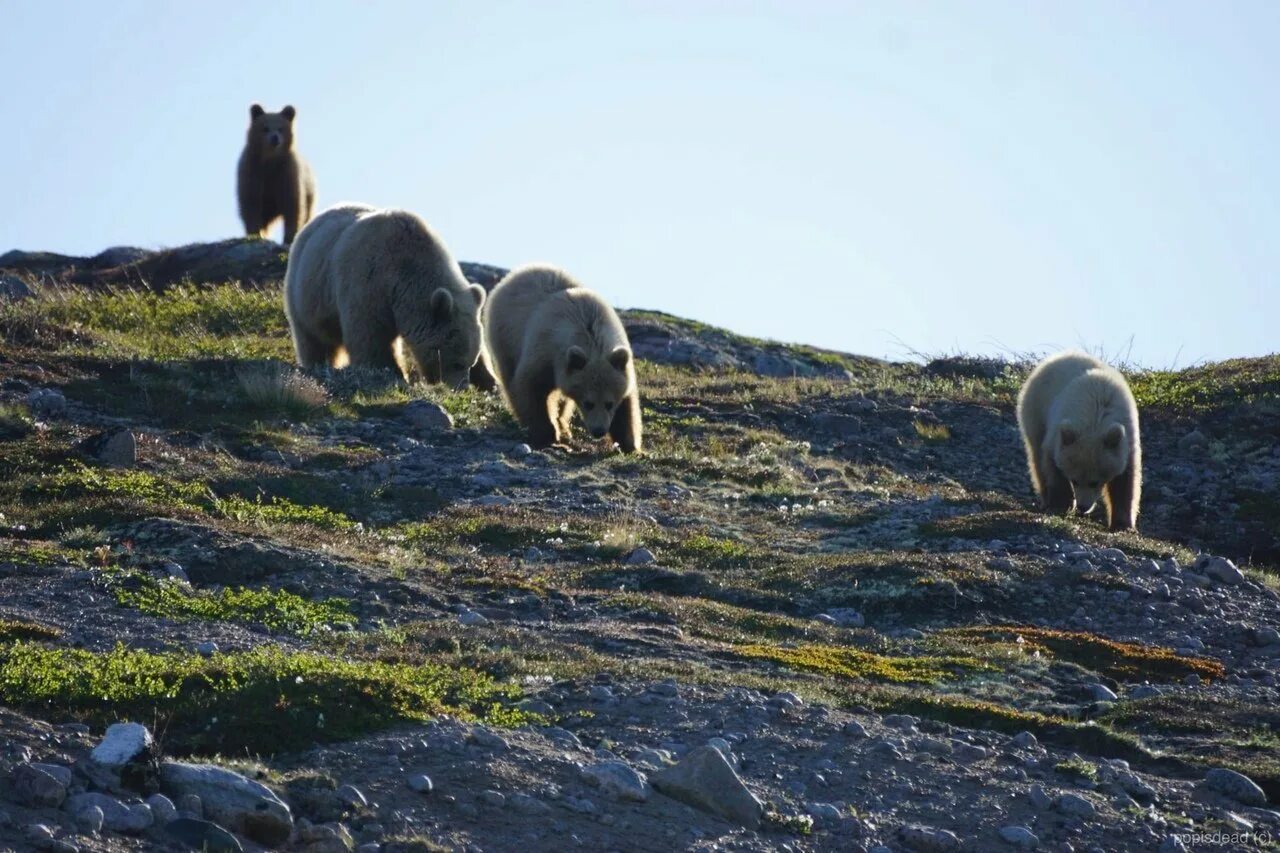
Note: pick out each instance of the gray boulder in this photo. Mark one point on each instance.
(240, 804)
(705, 780)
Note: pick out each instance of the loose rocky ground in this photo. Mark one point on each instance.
(818, 614)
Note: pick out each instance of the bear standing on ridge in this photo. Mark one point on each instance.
(272, 180)
(1080, 426)
(371, 281)
(557, 345)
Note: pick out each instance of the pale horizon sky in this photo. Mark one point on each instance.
(879, 178)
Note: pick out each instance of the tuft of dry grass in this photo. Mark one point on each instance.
(276, 388)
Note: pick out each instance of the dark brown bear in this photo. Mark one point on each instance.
(272, 181)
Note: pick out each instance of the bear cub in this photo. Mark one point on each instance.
(272, 180)
(1079, 424)
(376, 283)
(558, 346)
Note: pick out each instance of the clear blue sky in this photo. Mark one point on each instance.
(975, 176)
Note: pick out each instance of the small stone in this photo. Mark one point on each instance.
(1025, 740)
(619, 779)
(46, 402)
(1020, 837)
(351, 796)
(1102, 693)
(1237, 786)
(928, 839)
(493, 799)
(1040, 800)
(421, 783)
(119, 449)
(162, 808)
(853, 728)
(846, 617)
(471, 617)
(34, 785)
(90, 820)
(525, 804)
(203, 835)
(1144, 691)
(116, 816)
(641, 557)
(520, 451)
(1266, 636)
(189, 805)
(1076, 805)
(426, 415)
(207, 649)
(325, 838)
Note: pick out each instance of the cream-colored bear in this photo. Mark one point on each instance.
(557, 345)
(1080, 426)
(369, 281)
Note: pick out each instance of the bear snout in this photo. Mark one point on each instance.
(274, 140)
(598, 432)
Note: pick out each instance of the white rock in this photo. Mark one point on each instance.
(1020, 837)
(122, 743)
(1235, 785)
(239, 804)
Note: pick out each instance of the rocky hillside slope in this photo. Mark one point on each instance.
(818, 614)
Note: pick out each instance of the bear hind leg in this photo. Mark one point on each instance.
(313, 351)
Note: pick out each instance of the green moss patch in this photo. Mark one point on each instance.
(1212, 386)
(276, 609)
(20, 629)
(263, 701)
(1123, 661)
(858, 664)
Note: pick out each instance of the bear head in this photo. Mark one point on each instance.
(271, 134)
(448, 344)
(597, 384)
(1090, 458)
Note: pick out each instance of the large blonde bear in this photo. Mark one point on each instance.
(558, 346)
(1080, 426)
(373, 282)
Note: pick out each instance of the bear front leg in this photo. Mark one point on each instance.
(1056, 493)
(626, 426)
(1122, 501)
(528, 394)
(563, 409)
(481, 376)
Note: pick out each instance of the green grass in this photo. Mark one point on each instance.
(257, 702)
(1077, 766)
(225, 320)
(1232, 383)
(278, 610)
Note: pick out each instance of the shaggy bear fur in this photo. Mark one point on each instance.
(558, 346)
(272, 180)
(369, 281)
(1079, 424)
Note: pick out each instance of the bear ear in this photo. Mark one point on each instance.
(478, 293)
(620, 358)
(577, 359)
(288, 112)
(256, 110)
(1067, 435)
(441, 304)
(1113, 436)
